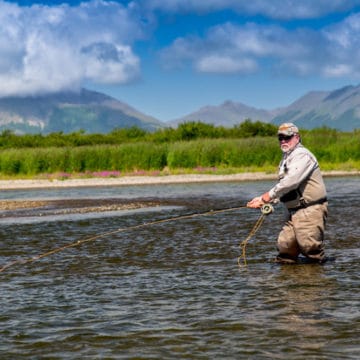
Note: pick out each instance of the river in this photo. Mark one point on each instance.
(140, 286)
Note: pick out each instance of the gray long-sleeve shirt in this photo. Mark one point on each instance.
(299, 178)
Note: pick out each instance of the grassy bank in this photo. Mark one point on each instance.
(191, 148)
(335, 151)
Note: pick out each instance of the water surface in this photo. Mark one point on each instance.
(174, 289)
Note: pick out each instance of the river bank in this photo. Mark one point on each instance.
(147, 180)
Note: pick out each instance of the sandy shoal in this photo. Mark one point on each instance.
(148, 180)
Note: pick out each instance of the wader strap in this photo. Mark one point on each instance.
(306, 205)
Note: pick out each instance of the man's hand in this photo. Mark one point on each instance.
(255, 203)
(266, 197)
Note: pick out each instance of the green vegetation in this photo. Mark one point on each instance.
(192, 147)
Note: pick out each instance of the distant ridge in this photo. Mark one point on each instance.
(95, 112)
(66, 112)
(228, 114)
(338, 109)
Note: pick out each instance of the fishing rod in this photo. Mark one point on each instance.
(265, 210)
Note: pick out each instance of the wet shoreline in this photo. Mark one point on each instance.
(9, 208)
(148, 180)
(25, 208)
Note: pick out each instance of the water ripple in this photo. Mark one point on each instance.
(174, 290)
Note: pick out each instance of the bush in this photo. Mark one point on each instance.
(332, 148)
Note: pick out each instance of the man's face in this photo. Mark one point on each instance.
(288, 142)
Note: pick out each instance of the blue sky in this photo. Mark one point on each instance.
(168, 58)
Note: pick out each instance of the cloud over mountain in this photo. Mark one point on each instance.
(47, 49)
(196, 51)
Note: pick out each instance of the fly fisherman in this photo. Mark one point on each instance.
(301, 188)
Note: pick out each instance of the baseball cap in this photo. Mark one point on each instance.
(288, 129)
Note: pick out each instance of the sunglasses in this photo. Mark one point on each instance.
(285, 137)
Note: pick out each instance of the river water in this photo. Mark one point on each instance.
(174, 289)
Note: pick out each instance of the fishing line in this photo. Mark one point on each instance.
(244, 243)
(95, 237)
(266, 209)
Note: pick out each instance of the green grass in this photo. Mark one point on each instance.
(334, 151)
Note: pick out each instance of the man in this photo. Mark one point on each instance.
(302, 190)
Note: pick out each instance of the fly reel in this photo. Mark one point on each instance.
(267, 209)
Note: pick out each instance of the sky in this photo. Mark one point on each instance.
(168, 58)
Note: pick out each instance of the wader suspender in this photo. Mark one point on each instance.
(294, 194)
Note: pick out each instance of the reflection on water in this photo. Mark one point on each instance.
(174, 290)
(303, 311)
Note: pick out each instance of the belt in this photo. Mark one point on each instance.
(311, 203)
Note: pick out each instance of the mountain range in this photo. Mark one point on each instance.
(67, 112)
(338, 109)
(95, 112)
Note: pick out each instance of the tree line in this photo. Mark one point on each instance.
(192, 147)
(184, 132)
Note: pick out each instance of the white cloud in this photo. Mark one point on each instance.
(275, 9)
(224, 64)
(52, 48)
(46, 49)
(331, 52)
(239, 49)
(343, 43)
(111, 64)
(338, 70)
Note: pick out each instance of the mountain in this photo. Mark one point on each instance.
(228, 114)
(95, 112)
(71, 111)
(338, 109)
